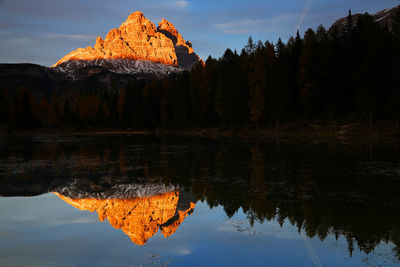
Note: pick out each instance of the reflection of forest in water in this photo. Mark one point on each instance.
(323, 189)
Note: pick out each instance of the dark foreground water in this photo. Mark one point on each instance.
(140, 200)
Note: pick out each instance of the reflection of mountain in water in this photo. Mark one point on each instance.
(138, 217)
(324, 189)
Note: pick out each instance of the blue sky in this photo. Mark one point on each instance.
(42, 31)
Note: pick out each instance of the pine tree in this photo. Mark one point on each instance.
(43, 111)
(208, 92)
(250, 46)
(257, 86)
(196, 97)
(308, 75)
(25, 117)
(349, 28)
(67, 117)
(4, 106)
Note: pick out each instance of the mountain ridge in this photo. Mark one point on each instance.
(137, 39)
(139, 218)
(384, 17)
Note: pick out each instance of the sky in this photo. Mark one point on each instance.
(43, 31)
(44, 230)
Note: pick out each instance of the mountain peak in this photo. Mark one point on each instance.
(136, 39)
(166, 24)
(139, 218)
(168, 28)
(135, 16)
(184, 50)
(138, 20)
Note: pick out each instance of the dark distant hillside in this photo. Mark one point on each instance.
(44, 81)
(40, 80)
(385, 18)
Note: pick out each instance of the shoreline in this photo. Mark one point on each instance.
(336, 131)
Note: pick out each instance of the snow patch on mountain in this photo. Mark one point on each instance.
(122, 191)
(121, 66)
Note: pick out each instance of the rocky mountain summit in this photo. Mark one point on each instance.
(141, 217)
(137, 46)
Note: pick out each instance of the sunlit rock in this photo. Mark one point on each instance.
(137, 39)
(139, 218)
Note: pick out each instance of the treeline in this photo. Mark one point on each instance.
(332, 75)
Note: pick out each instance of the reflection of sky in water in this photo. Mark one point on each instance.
(45, 230)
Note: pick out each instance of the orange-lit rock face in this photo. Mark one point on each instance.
(184, 51)
(139, 218)
(168, 28)
(136, 38)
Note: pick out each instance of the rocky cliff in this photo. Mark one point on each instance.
(139, 218)
(136, 46)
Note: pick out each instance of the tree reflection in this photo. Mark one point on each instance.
(322, 189)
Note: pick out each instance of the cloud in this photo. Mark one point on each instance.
(38, 38)
(251, 26)
(40, 48)
(179, 4)
(75, 37)
(184, 251)
(23, 40)
(161, 7)
(34, 220)
(271, 229)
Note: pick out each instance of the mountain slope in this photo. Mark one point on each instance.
(384, 17)
(139, 218)
(137, 46)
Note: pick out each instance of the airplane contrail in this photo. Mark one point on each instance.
(311, 252)
(303, 15)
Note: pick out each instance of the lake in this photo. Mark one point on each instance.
(131, 200)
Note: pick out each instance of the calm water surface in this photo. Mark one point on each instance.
(146, 201)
